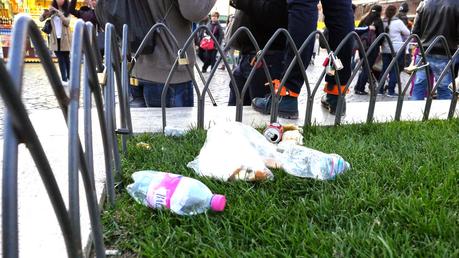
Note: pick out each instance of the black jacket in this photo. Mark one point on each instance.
(262, 18)
(85, 13)
(438, 17)
(217, 30)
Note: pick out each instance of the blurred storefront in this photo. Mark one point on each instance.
(10, 8)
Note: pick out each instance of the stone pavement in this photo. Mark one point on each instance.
(39, 232)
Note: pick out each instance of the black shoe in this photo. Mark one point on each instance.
(204, 70)
(288, 106)
(324, 102)
(358, 92)
(137, 103)
(330, 102)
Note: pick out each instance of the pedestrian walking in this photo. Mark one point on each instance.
(216, 29)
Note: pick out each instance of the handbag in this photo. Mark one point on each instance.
(207, 43)
(47, 28)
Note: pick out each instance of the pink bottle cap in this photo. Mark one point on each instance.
(218, 202)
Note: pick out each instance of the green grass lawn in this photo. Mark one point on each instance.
(400, 199)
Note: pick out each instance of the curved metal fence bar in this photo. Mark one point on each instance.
(126, 121)
(404, 89)
(75, 148)
(454, 88)
(239, 95)
(374, 84)
(109, 94)
(19, 126)
(72, 122)
(182, 54)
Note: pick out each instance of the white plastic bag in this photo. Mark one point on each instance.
(234, 151)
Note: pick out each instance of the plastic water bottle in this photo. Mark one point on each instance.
(305, 162)
(180, 194)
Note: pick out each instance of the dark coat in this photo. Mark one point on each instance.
(262, 18)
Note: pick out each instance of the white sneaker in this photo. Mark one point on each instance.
(450, 86)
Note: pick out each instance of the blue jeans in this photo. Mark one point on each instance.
(178, 94)
(437, 65)
(302, 21)
(387, 58)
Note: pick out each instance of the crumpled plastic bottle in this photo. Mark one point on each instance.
(305, 162)
(182, 195)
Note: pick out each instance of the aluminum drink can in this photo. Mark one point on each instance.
(273, 133)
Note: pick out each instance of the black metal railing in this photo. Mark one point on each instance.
(19, 129)
(352, 37)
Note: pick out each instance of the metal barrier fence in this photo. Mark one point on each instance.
(311, 91)
(19, 129)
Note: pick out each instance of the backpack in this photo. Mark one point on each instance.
(135, 13)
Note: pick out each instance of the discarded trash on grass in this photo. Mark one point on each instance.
(180, 194)
(305, 162)
(234, 151)
(143, 145)
(174, 132)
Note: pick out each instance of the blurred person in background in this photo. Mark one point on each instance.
(60, 39)
(216, 29)
(398, 33)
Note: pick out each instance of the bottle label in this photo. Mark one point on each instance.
(159, 196)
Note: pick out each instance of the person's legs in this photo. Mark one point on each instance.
(393, 75)
(420, 85)
(258, 87)
(238, 73)
(137, 96)
(387, 58)
(182, 94)
(207, 60)
(178, 94)
(62, 64)
(363, 77)
(438, 64)
(302, 21)
(66, 58)
(339, 19)
(213, 58)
